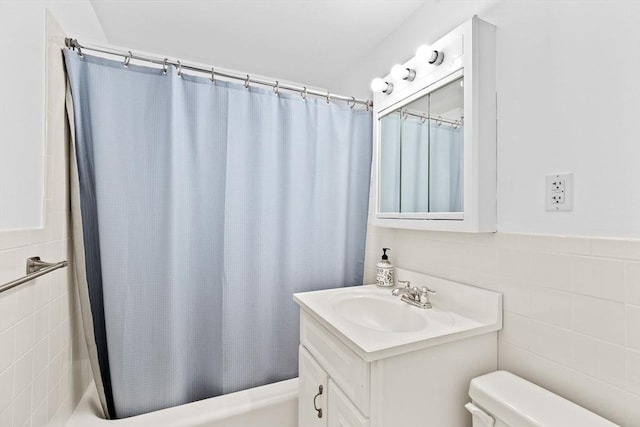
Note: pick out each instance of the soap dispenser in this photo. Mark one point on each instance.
(384, 271)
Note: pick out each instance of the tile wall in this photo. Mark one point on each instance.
(571, 306)
(44, 368)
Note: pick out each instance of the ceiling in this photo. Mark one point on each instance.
(307, 41)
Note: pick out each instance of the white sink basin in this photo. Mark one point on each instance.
(380, 313)
(376, 324)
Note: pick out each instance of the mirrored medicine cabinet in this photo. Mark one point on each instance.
(435, 137)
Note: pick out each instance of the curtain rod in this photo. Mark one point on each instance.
(247, 79)
(437, 119)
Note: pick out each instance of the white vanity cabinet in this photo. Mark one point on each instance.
(319, 405)
(372, 377)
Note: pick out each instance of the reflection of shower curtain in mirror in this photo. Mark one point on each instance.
(414, 191)
(389, 179)
(445, 172)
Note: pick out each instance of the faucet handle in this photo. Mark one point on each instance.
(426, 290)
(404, 283)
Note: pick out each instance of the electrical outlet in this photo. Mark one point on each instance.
(559, 192)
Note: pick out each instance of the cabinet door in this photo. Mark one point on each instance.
(342, 412)
(312, 393)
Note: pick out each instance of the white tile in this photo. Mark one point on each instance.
(516, 296)
(25, 300)
(6, 388)
(601, 398)
(516, 241)
(13, 238)
(633, 327)
(24, 335)
(59, 220)
(551, 306)
(600, 359)
(616, 248)
(514, 359)
(8, 309)
(41, 355)
(633, 410)
(603, 278)
(633, 371)
(40, 388)
(554, 377)
(41, 323)
(632, 282)
(516, 330)
(22, 407)
(599, 318)
(55, 312)
(6, 417)
(7, 348)
(23, 372)
(561, 244)
(55, 372)
(8, 262)
(552, 270)
(597, 396)
(53, 400)
(514, 264)
(42, 294)
(552, 342)
(484, 260)
(39, 417)
(54, 342)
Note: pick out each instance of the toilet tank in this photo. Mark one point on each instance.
(503, 399)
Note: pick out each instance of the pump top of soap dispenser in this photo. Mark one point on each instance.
(384, 271)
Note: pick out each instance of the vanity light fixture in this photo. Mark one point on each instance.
(379, 85)
(400, 72)
(426, 53)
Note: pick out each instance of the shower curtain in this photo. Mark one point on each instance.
(199, 209)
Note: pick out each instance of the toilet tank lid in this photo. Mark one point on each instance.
(518, 402)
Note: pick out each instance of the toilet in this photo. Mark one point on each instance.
(501, 399)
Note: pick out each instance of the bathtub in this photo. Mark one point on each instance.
(271, 405)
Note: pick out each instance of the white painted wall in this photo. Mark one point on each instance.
(571, 303)
(568, 101)
(22, 101)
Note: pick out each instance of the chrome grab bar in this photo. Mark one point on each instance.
(35, 268)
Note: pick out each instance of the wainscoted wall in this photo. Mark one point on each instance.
(571, 306)
(44, 368)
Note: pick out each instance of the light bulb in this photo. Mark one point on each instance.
(426, 54)
(379, 85)
(400, 72)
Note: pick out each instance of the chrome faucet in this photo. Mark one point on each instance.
(413, 295)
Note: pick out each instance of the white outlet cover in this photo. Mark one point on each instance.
(558, 192)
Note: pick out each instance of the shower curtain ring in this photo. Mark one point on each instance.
(247, 81)
(127, 59)
(165, 66)
(179, 69)
(304, 93)
(80, 54)
(213, 75)
(352, 102)
(368, 104)
(276, 88)
(328, 97)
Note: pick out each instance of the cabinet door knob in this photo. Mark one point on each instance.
(320, 388)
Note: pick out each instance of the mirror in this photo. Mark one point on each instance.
(421, 154)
